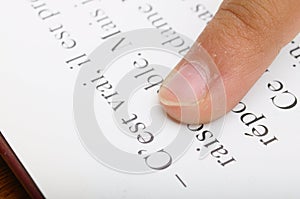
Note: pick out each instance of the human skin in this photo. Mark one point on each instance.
(229, 56)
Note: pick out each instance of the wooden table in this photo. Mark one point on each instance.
(10, 188)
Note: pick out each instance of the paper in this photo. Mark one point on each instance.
(79, 106)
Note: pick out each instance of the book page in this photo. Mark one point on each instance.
(79, 105)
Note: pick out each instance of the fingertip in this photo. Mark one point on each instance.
(166, 97)
(182, 113)
(170, 104)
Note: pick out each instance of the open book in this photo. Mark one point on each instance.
(79, 106)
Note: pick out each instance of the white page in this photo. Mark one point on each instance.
(44, 108)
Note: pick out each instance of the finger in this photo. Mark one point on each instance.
(229, 56)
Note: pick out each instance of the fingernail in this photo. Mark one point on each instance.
(190, 83)
(184, 91)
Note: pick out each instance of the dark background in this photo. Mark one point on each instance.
(10, 188)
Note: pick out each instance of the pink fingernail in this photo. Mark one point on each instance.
(191, 82)
(184, 90)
